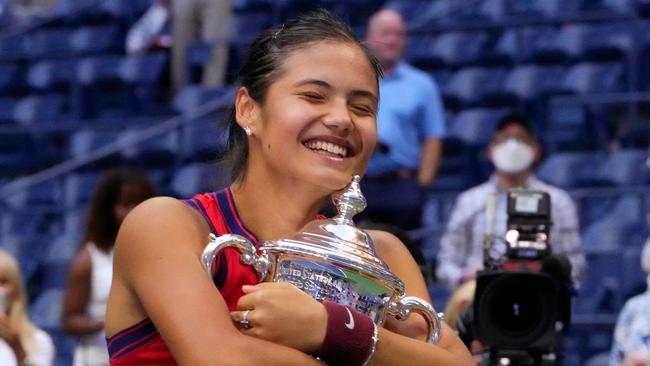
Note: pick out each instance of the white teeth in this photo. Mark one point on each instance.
(329, 147)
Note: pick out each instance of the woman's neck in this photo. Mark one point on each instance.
(273, 210)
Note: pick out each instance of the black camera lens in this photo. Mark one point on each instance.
(515, 309)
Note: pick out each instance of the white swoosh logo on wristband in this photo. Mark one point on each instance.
(350, 324)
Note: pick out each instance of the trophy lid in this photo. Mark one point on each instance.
(338, 241)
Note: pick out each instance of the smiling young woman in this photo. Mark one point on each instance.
(303, 124)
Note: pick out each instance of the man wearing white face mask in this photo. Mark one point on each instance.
(481, 211)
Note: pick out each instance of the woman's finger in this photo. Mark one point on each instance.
(242, 318)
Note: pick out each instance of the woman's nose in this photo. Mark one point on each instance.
(339, 118)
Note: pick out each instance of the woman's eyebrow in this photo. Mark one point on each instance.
(356, 93)
(317, 82)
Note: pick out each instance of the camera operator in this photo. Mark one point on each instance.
(480, 212)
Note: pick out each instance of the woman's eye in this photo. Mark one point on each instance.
(313, 96)
(364, 109)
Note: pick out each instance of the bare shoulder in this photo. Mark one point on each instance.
(389, 247)
(161, 218)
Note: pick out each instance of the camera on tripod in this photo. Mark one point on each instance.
(520, 301)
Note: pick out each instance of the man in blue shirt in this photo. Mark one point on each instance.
(410, 125)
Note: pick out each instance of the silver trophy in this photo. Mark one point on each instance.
(331, 259)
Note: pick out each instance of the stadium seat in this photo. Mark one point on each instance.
(565, 44)
(47, 193)
(570, 169)
(202, 140)
(475, 126)
(600, 290)
(569, 126)
(96, 40)
(13, 48)
(609, 42)
(140, 73)
(78, 188)
(46, 310)
(624, 168)
(199, 177)
(86, 140)
(100, 87)
(49, 75)
(49, 43)
(601, 359)
(192, 97)
(587, 78)
(7, 106)
(457, 48)
(11, 77)
(528, 82)
(39, 109)
(633, 279)
(159, 151)
(471, 87)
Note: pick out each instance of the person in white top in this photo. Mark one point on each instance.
(21, 342)
(89, 279)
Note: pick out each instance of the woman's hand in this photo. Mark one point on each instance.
(283, 314)
(10, 334)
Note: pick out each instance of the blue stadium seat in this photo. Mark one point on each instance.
(78, 188)
(570, 169)
(624, 168)
(49, 43)
(97, 40)
(39, 109)
(610, 41)
(86, 140)
(633, 279)
(7, 106)
(458, 48)
(565, 44)
(569, 126)
(474, 127)
(202, 140)
(587, 78)
(600, 290)
(47, 193)
(601, 359)
(49, 75)
(199, 177)
(100, 87)
(11, 77)
(46, 310)
(528, 82)
(159, 151)
(140, 73)
(13, 48)
(98, 69)
(472, 86)
(192, 97)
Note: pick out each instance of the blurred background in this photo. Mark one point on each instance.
(74, 102)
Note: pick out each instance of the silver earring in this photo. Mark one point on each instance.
(248, 131)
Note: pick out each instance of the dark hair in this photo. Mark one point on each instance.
(515, 118)
(101, 226)
(264, 60)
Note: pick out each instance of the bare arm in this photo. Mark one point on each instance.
(77, 296)
(401, 340)
(429, 161)
(158, 274)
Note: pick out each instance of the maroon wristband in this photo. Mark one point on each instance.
(349, 338)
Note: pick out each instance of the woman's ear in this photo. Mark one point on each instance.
(246, 108)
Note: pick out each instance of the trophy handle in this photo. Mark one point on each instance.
(403, 308)
(248, 253)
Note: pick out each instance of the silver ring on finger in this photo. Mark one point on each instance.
(244, 320)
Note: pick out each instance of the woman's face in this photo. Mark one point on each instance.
(317, 123)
